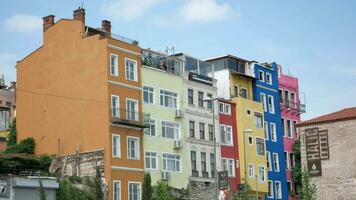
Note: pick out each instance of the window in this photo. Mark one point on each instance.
(263, 100)
(289, 128)
(191, 129)
(258, 120)
(210, 103)
(268, 158)
(212, 164)
(151, 160)
(250, 140)
(289, 186)
(236, 90)
(131, 69)
(229, 166)
(292, 100)
(243, 93)
(170, 130)
(133, 151)
(168, 99)
(270, 189)
(286, 159)
(280, 95)
(116, 151)
(190, 97)
(248, 112)
(171, 162)
(291, 159)
(193, 161)
(148, 94)
(115, 106)
(283, 127)
(227, 108)
(134, 191)
(203, 162)
(211, 132)
(265, 124)
(276, 162)
(273, 132)
(117, 190)
(221, 107)
(260, 146)
(262, 173)
(200, 99)
(114, 69)
(295, 129)
(202, 131)
(278, 190)
(269, 78)
(251, 170)
(152, 128)
(270, 104)
(261, 76)
(132, 109)
(226, 135)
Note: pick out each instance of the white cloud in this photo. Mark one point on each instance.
(7, 66)
(23, 23)
(203, 11)
(127, 10)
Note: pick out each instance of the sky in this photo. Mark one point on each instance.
(313, 40)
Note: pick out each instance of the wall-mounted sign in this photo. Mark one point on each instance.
(317, 149)
(200, 78)
(223, 180)
(314, 167)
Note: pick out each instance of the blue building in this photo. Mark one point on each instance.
(265, 89)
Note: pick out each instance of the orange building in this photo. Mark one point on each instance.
(81, 91)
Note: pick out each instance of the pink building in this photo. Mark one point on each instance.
(291, 109)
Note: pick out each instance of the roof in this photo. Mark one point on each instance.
(341, 115)
(228, 56)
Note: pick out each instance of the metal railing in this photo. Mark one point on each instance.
(163, 62)
(129, 118)
(23, 170)
(118, 37)
(293, 105)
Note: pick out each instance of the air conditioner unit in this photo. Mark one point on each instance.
(179, 113)
(177, 144)
(164, 175)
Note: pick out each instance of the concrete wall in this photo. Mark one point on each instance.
(338, 180)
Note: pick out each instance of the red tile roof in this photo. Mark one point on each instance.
(344, 114)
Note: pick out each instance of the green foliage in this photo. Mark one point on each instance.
(99, 195)
(25, 146)
(242, 193)
(12, 135)
(308, 191)
(71, 191)
(147, 188)
(297, 169)
(161, 192)
(42, 191)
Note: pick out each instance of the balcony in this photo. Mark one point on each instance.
(295, 106)
(195, 173)
(162, 62)
(129, 118)
(205, 174)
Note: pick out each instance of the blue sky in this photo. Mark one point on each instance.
(313, 40)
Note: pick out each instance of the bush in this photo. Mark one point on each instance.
(25, 146)
(147, 188)
(161, 192)
(12, 135)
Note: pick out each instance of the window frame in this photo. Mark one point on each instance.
(251, 166)
(113, 190)
(136, 111)
(273, 133)
(264, 101)
(136, 149)
(150, 157)
(139, 192)
(257, 146)
(150, 128)
(264, 173)
(116, 65)
(191, 122)
(178, 132)
(266, 129)
(117, 108)
(201, 99)
(112, 146)
(149, 94)
(202, 131)
(175, 160)
(270, 186)
(255, 115)
(162, 103)
(135, 70)
(226, 135)
(276, 165)
(227, 162)
(269, 165)
(278, 195)
(271, 107)
(269, 80)
(190, 98)
(260, 72)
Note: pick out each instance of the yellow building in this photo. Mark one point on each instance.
(234, 81)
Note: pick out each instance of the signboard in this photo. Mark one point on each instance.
(317, 149)
(314, 167)
(200, 79)
(223, 182)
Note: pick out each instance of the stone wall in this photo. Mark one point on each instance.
(198, 190)
(338, 180)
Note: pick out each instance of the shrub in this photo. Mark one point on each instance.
(12, 135)
(147, 188)
(161, 192)
(25, 146)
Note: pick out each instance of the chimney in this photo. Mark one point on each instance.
(48, 21)
(106, 26)
(79, 15)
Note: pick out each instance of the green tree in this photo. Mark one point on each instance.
(297, 168)
(242, 193)
(99, 195)
(12, 135)
(161, 192)
(308, 191)
(147, 188)
(42, 191)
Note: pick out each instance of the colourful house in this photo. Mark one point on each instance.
(265, 90)
(291, 109)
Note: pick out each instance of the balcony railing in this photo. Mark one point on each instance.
(205, 174)
(163, 62)
(129, 118)
(293, 105)
(195, 173)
